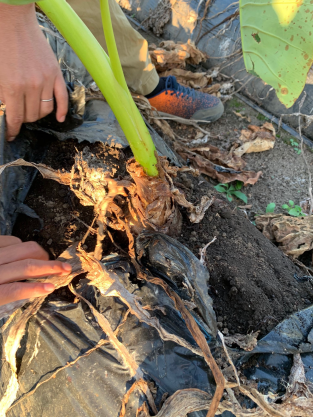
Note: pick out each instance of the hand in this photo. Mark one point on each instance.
(29, 70)
(20, 261)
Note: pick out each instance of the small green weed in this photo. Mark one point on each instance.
(295, 145)
(293, 210)
(232, 190)
(236, 103)
(262, 118)
(270, 208)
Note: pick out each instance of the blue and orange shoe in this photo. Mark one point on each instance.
(171, 98)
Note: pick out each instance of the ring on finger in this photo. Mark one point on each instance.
(46, 101)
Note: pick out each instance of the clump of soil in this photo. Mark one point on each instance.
(252, 282)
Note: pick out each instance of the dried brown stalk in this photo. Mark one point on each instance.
(197, 335)
(108, 284)
(143, 386)
(126, 357)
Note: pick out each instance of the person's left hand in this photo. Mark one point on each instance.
(20, 261)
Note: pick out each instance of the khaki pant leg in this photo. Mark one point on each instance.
(140, 73)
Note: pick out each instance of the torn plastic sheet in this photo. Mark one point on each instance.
(62, 331)
(15, 184)
(270, 362)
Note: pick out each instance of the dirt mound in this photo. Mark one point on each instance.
(252, 282)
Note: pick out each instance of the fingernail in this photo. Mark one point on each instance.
(67, 267)
(11, 138)
(62, 118)
(49, 287)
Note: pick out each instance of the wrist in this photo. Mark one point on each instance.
(16, 17)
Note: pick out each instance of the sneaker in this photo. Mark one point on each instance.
(175, 99)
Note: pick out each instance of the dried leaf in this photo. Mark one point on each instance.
(170, 55)
(211, 90)
(225, 158)
(221, 173)
(306, 206)
(241, 116)
(295, 234)
(197, 80)
(257, 139)
(153, 200)
(297, 385)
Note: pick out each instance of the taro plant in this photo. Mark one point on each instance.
(270, 208)
(293, 210)
(277, 43)
(231, 190)
(295, 145)
(107, 73)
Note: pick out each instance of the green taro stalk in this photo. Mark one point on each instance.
(107, 73)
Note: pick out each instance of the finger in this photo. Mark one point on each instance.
(46, 107)
(32, 102)
(32, 268)
(14, 114)
(61, 97)
(26, 250)
(9, 241)
(23, 291)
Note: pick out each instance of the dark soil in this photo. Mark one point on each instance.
(252, 282)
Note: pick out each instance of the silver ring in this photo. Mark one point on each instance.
(50, 99)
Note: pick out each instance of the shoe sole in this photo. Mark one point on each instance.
(210, 114)
(206, 115)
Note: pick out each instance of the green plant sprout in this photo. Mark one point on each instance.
(293, 210)
(262, 117)
(107, 74)
(232, 190)
(270, 208)
(295, 145)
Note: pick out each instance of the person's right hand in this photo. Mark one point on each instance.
(20, 261)
(29, 71)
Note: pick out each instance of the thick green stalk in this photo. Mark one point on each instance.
(98, 65)
(111, 44)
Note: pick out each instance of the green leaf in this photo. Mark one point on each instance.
(238, 185)
(241, 196)
(232, 188)
(229, 197)
(220, 188)
(277, 43)
(291, 203)
(270, 208)
(294, 212)
(285, 206)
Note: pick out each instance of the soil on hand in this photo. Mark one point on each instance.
(252, 282)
